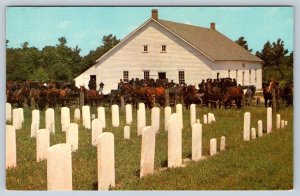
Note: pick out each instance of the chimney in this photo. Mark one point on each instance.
(213, 25)
(154, 14)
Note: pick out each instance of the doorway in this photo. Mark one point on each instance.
(162, 75)
(93, 77)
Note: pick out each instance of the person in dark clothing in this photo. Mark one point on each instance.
(101, 87)
(92, 84)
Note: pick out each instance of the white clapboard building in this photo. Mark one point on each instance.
(179, 52)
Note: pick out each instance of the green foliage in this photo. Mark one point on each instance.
(262, 164)
(58, 62)
(242, 42)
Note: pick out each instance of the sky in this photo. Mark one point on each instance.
(85, 26)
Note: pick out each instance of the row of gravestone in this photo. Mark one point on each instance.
(251, 132)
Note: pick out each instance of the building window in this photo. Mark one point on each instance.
(236, 75)
(146, 75)
(181, 77)
(228, 73)
(249, 75)
(145, 48)
(255, 75)
(164, 48)
(125, 76)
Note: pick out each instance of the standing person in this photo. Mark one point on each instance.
(101, 87)
(92, 84)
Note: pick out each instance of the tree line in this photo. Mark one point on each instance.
(63, 63)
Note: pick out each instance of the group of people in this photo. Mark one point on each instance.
(150, 83)
(222, 83)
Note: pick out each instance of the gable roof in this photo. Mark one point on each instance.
(211, 42)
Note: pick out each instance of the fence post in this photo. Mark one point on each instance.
(81, 99)
(122, 102)
(274, 104)
(167, 97)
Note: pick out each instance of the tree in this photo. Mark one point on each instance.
(62, 41)
(242, 42)
(25, 45)
(7, 42)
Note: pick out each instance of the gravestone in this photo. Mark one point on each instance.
(174, 141)
(253, 133)
(65, 118)
(101, 116)
(72, 136)
(196, 141)
(213, 119)
(198, 121)
(285, 123)
(155, 118)
(127, 132)
(50, 120)
(222, 143)
(96, 130)
(8, 110)
(142, 106)
(192, 114)
(209, 118)
(93, 116)
(11, 147)
(213, 146)
(17, 121)
(269, 120)
(59, 167)
(278, 121)
(21, 113)
(42, 144)
(86, 116)
(106, 161)
(168, 112)
(141, 121)
(180, 117)
(77, 115)
(246, 133)
(259, 128)
(128, 109)
(204, 119)
(33, 129)
(115, 115)
(282, 124)
(147, 151)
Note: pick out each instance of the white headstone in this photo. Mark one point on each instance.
(36, 117)
(59, 167)
(196, 141)
(204, 119)
(65, 118)
(106, 161)
(96, 130)
(168, 112)
(282, 124)
(213, 119)
(198, 121)
(180, 117)
(72, 136)
(127, 132)
(50, 120)
(269, 120)
(213, 146)
(77, 115)
(11, 147)
(209, 118)
(147, 151)
(285, 123)
(246, 133)
(34, 128)
(17, 121)
(192, 114)
(128, 109)
(278, 121)
(115, 115)
(259, 128)
(141, 121)
(253, 133)
(86, 116)
(42, 144)
(142, 106)
(93, 116)
(155, 118)
(101, 116)
(222, 143)
(174, 141)
(8, 112)
(21, 113)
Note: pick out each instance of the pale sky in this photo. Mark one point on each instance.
(85, 26)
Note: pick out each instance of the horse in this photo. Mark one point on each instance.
(90, 96)
(190, 96)
(16, 96)
(233, 93)
(268, 90)
(213, 95)
(288, 93)
(153, 94)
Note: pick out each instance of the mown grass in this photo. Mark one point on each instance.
(262, 164)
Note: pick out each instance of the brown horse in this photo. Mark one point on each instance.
(268, 90)
(233, 93)
(212, 95)
(90, 96)
(190, 96)
(153, 94)
(16, 96)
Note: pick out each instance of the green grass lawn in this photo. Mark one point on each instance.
(262, 164)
